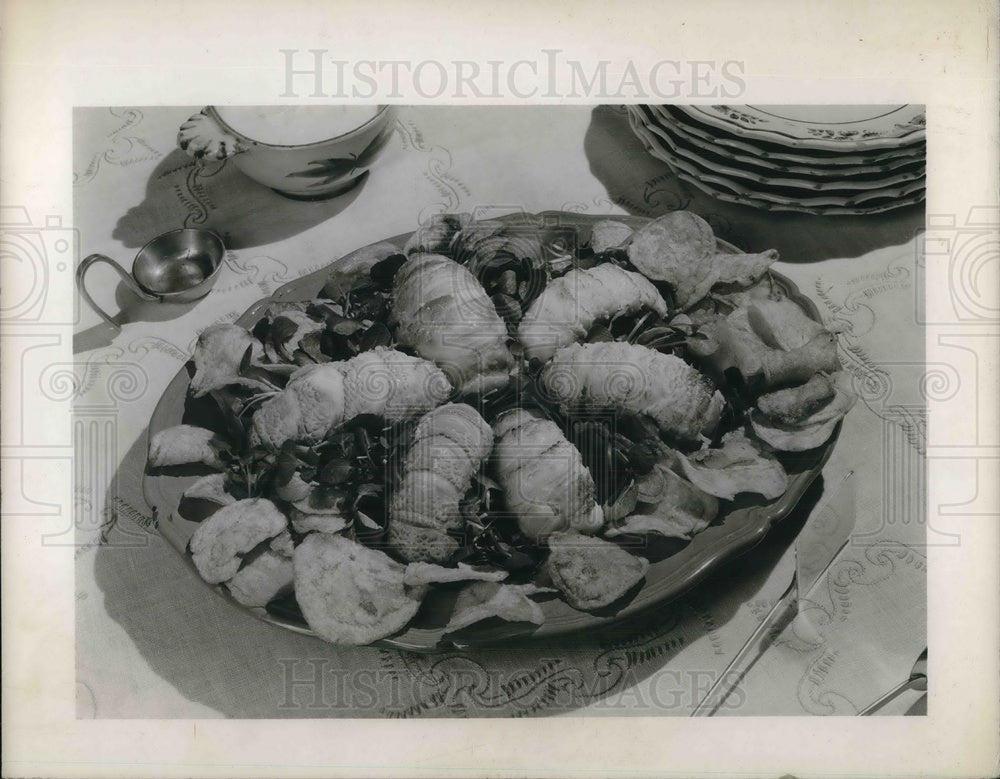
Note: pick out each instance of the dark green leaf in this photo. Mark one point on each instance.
(384, 271)
(245, 360)
(335, 471)
(376, 335)
(285, 467)
(282, 328)
(311, 344)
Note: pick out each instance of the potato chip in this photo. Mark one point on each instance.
(787, 435)
(742, 269)
(486, 600)
(212, 488)
(667, 523)
(737, 467)
(590, 572)
(185, 445)
(766, 341)
(428, 573)
(609, 234)
(219, 542)
(260, 581)
(681, 510)
(217, 357)
(350, 594)
(677, 248)
(781, 324)
(794, 405)
(797, 365)
(282, 543)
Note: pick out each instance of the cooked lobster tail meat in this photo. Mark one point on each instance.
(570, 305)
(545, 483)
(383, 382)
(443, 313)
(449, 445)
(633, 379)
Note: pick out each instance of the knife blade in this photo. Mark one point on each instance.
(824, 534)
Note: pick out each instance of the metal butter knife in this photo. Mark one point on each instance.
(824, 534)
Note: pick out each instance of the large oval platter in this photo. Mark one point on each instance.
(674, 566)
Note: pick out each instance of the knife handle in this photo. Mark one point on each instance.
(751, 651)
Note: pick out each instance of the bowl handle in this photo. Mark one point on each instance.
(81, 272)
(203, 138)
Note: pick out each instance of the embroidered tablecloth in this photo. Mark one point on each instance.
(153, 641)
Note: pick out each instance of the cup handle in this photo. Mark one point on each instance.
(203, 138)
(81, 272)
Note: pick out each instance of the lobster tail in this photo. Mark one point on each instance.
(449, 445)
(443, 313)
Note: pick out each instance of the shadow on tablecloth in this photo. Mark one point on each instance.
(221, 657)
(645, 186)
(217, 196)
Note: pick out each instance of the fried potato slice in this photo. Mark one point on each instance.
(680, 249)
(211, 487)
(185, 445)
(282, 543)
(800, 364)
(420, 573)
(350, 594)
(781, 324)
(609, 234)
(792, 406)
(217, 357)
(680, 509)
(677, 248)
(485, 600)
(264, 578)
(773, 341)
(590, 572)
(737, 467)
(742, 269)
(790, 421)
(218, 543)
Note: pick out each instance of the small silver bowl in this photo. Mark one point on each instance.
(175, 267)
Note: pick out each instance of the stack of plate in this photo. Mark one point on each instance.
(830, 160)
